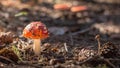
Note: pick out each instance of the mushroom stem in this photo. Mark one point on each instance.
(37, 46)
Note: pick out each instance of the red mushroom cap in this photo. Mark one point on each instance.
(35, 30)
(61, 7)
(79, 8)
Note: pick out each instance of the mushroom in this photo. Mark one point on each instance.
(62, 10)
(78, 8)
(36, 31)
(78, 11)
(61, 7)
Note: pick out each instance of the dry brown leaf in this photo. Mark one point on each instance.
(8, 53)
(6, 38)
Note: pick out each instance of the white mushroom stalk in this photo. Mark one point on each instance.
(37, 46)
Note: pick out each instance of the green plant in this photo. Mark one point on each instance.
(17, 52)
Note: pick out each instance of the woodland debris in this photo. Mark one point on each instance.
(107, 28)
(97, 37)
(6, 38)
(109, 50)
(8, 56)
(82, 31)
(86, 53)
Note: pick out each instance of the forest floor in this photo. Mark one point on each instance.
(72, 42)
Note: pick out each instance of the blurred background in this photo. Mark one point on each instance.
(61, 17)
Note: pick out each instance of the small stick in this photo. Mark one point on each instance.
(71, 37)
(7, 59)
(82, 31)
(97, 57)
(29, 63)
(91, 58)
(65, 45)
(99, 44)
(114, 59)
(108, 62)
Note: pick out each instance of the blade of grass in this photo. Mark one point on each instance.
(17, 52)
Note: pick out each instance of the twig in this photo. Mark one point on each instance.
(29, 63)
(99, 58)
(71, 37)
(82, 31)
(108, 62)
(7, 59)
(114, 59)
(87, 60)
(97, 37)
(65, 45)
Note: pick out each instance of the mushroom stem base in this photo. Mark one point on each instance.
(37, 46)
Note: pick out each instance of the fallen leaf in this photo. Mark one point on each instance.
(6, 38)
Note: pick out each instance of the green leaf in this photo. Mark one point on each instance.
(21, 14)
(15, 49)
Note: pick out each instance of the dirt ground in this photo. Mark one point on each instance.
(74, 36)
